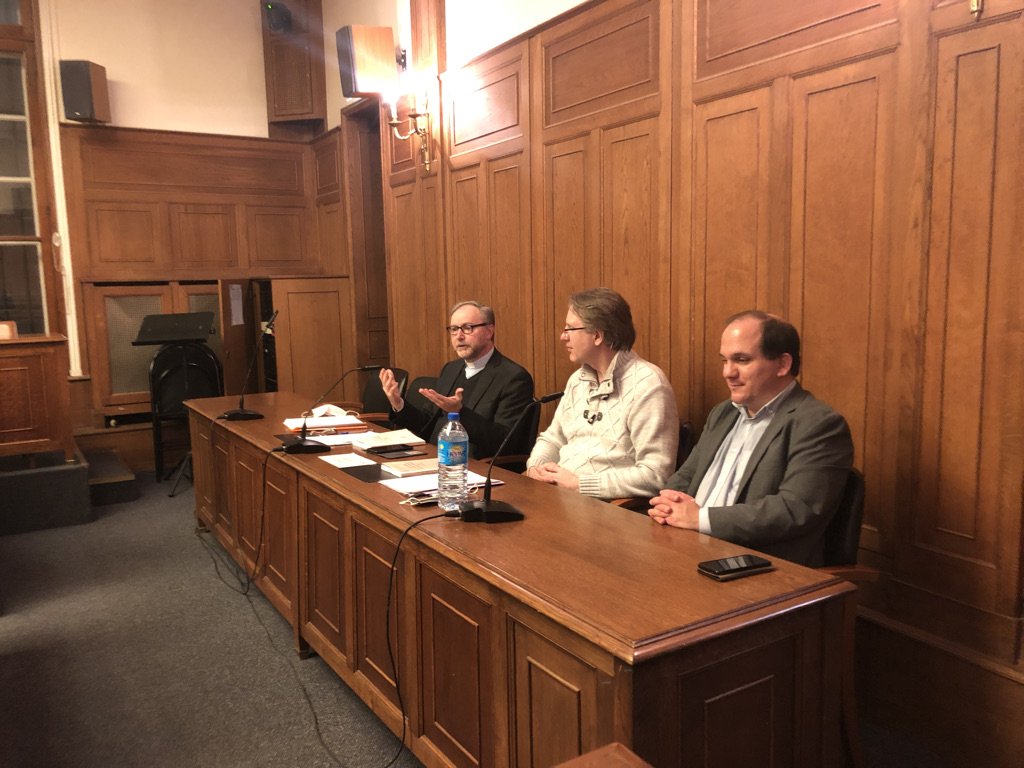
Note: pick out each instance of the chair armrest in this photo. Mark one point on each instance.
(858, 574)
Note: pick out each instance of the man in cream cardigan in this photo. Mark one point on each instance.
(615, 431)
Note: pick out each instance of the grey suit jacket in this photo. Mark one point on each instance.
(792, 483)
(500, 393)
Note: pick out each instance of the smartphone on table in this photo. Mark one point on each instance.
(738, 566)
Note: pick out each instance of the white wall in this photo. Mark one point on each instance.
(476, 26)
(197, 66)
(185, 65)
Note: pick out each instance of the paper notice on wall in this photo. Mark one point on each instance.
(237, 317)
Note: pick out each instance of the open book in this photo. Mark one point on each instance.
(411, 467)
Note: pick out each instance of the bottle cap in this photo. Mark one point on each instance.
(453, 416)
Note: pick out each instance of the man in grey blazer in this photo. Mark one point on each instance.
(771, 464)
(484, 387)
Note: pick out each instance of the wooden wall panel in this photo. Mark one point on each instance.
(417, 283)
(488, 105)
(488, 201)
(731, 228)
(365, 252)
(314, 333)
(334, 252)
(128, 236)
(203, 236)
(840, 259)
(569, 243)
(574, 64)
(164, 204)
(278, 236)
(733, 34)
(633, 240)
(489, 252)
(968, 497)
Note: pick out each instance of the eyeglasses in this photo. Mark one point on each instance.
(567, 329)
(466, 328)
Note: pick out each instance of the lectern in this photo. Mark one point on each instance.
(184, 367)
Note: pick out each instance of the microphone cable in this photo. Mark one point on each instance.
(387, 627)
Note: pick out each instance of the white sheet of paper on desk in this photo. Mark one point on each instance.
(324, 422)
(410, 486)
(347, 460)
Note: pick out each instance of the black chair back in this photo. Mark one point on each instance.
(374, 399)
(412, 393)
(685, 442)
(180, 372)
(842, 536)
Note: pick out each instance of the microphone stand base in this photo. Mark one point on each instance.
(241, 414)
(489, 512)
(302, 445)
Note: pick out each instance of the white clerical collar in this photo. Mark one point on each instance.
(474, 367)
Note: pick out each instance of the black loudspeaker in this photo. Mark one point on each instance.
(279, 18)
(84, 88)
(366, 60)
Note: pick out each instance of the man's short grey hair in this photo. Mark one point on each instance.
(486, 311)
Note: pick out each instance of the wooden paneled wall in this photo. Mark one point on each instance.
(158, 205)
(852, 165)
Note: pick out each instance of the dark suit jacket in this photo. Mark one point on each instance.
(792, 483)
(500, 393)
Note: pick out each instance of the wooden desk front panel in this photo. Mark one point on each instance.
(749, 697)
(202, 470)
(277, 575)
(245, 499)
(530, 643)
(219, 494)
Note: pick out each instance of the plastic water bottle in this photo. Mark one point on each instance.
(452, 463)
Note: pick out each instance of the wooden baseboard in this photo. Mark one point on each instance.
(961, 706)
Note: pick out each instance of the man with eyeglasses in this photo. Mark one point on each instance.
(484, 387)
(615, 431)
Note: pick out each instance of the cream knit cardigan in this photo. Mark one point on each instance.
(617, 435)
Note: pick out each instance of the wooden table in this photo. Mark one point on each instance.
(527, 643)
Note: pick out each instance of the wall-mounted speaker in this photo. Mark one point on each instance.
(84, 88)
(279, 18)
(366, 60)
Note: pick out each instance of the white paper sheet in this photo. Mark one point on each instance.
(346, 459)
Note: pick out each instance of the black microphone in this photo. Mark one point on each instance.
(241, 413)
(485, 510)
(302, 443)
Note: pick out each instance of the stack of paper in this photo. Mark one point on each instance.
(418, 484)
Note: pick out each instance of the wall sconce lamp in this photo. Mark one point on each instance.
(368, 66)
(419, 125)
